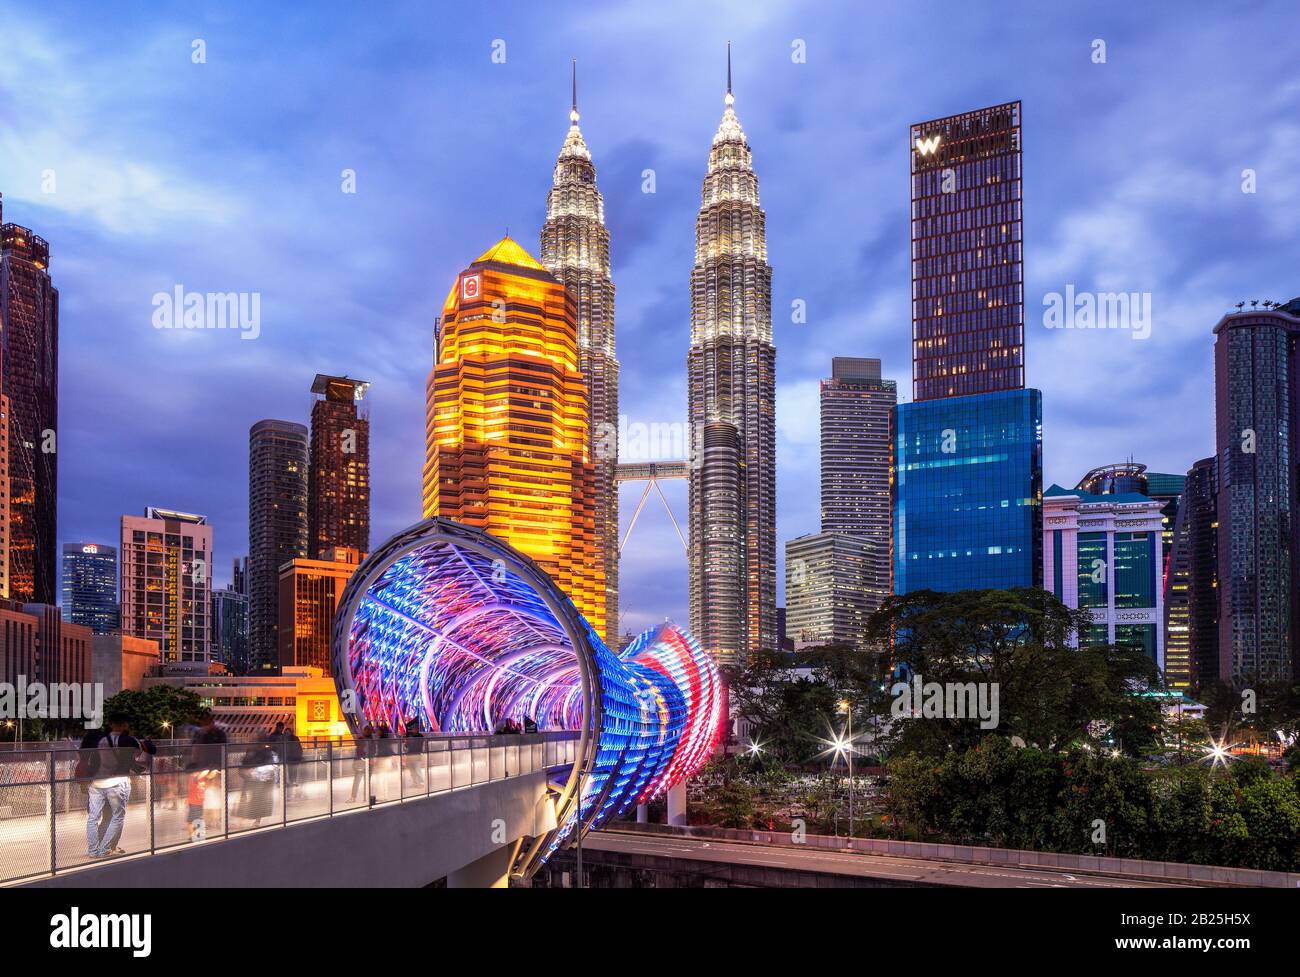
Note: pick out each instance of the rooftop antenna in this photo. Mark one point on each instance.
(729, 99)
(573, 107)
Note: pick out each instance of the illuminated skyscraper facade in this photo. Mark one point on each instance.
(507, 429)
(338, 485)
(166, 584)
(1131, 477)
(309, 595)
(732, 407)
(968, 487)
(968, 320)
(1257, 414)
(4, 487)
(1101, 553)
(277, 527)
(831, 587)
(855, 417)
(90, 586)
(575, 249)
(29, 332)
(968, 451)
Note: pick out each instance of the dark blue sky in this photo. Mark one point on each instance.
(225, 176)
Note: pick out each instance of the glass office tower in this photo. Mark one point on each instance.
(1257, 416)
(1101, 553)
(968, 318)
(968, 452)
(968, 481)
(90, 586)
(277, 526)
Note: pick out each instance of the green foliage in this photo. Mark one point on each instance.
(1051, 694)
(148, 709)
(792, 715)
(996, 794)
(1261, 708)
(734, 802)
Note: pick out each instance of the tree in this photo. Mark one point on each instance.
(146, 710)
(1095, 803)
(1019, 642)
(792, 714)
(735, 803)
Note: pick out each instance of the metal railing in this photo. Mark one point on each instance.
(198, 794)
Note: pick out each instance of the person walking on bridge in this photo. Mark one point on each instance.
(415, 751)
(365, 749)
(110, 757)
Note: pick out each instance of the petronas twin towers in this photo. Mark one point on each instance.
(731, 398)
(731, 383)
(575, 249)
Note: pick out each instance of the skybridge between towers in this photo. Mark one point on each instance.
(652, 473)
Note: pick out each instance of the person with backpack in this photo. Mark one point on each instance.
(110, 757)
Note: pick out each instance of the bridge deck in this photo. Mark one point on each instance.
(44, 809)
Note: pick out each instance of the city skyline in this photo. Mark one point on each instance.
(1117, 219)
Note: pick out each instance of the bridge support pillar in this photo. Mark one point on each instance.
(642, 813)
(677, 805)
(492, 871)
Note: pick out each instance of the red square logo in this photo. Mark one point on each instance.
(469, 286)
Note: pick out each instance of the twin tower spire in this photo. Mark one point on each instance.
(731, 382)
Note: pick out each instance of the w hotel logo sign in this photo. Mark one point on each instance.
(925, 145)
(471, 286)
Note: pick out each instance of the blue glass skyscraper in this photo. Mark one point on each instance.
(90, 586)
(968, 452)
(968, 479)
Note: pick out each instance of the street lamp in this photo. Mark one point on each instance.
(578, 829)
(847, 708)
(1217, 752)
(168, 726)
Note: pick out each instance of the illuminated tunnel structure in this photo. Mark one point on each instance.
(449, 624)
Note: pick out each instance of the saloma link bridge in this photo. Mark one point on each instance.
(452, 626)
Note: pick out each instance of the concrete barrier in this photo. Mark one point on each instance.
(1058, 861)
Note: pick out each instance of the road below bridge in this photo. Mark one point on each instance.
(709, 861)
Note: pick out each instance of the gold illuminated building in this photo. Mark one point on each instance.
(507, 428)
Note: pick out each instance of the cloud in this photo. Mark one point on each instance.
(226, 176)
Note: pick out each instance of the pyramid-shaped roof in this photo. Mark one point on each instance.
(508, 252)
